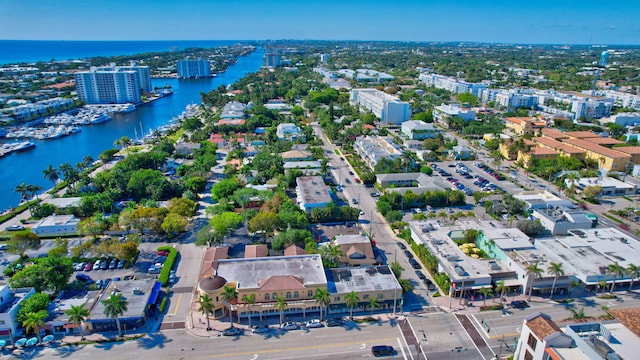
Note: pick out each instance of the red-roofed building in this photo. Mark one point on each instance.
(539, 332)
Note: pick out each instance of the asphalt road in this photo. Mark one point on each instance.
(324, 343)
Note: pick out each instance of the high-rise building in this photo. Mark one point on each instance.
(324, 58)
(387, 107)
(142, 73)
(108, 87)
(191, 68)
(272, 59)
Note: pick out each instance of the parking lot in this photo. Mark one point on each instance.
(139, 270)
(473, 171)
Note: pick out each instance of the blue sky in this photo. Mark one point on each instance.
(533, 21)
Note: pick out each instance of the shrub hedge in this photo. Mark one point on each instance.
(168, 264)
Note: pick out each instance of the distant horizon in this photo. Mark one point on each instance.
(550, 22)
(332, 40)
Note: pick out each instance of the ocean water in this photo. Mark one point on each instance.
(18, 51)
(27, 166)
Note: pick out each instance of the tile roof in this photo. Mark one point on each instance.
(630, 318)
(294, 250)
(581, 134)
(519, 120)
(553, 133)
(542, 327)
(599, 149)
(543, 151)
(631, 150)
(281, 282)
(210, 260)
(557, 145)
(604, 141)
(255, 251)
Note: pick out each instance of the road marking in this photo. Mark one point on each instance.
(404, 355)
(254, 357)
(175, 308)
(363, 346)
(212, 356)
(471, 339)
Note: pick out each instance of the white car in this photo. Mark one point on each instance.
(312, 324)
(289, 326)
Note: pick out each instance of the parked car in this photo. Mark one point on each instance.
(113, 264)
(99, 283)
(289, 326)
(408, 254)
(15, 228)
(153, 270)
(104, 265)
(83, 278)
(261, 329)
(312, 324)
(96, 265)
(354, 201)
(401, 245)
(519, 304)
(414, 264)
(79, 266)
(383, 350)
(162, 253)
(347, 181)
(88, 266)
(333, 322)
(356, 180)
(351, 172)
(121, 264)
(421, 275)
(232, 331)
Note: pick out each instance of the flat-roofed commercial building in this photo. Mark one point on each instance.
(141, 296)
(587, 254)
(369, 282)
(388, 108)
(418, 130)
(56, 225)
(294, 278)
(312, 192)
(10, 302)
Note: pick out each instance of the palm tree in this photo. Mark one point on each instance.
(206, 307)
(485, 291)
(533, 272)
(373, 304)
(634, 272)
(69, 173)
(114, 307)
(323, 299)
(87, 161)
(51, 174)
(24, 190)
(228, 295)
(618, 272)
(352, 300)
(602, 284)
(281, 304)
(577, 314)
(501, 289)
(77, 315)
(249, 299)
(555, 269)
(123, 142)
(34, 321)
(574, 284)
(331, 254)
(572, 177)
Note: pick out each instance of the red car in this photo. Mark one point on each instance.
(356, 180)
(88, 266)
(162, 253)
